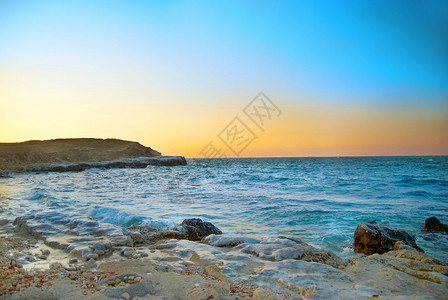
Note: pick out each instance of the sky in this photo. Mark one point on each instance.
(339, 78)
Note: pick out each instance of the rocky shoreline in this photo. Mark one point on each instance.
(195, 260)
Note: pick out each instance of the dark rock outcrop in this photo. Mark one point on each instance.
(190, 229)
(372, 238)
(196, 229)
(134, 163)
(433, 224)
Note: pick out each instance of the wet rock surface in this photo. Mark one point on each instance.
(226, 267)
(190, 229)
(433, 225)
(373, 238)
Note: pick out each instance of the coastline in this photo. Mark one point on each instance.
(79, 154)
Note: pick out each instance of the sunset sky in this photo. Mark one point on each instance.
(349, 77)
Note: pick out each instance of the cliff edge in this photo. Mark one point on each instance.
(78, 154)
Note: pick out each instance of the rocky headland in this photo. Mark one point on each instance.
(78, 154)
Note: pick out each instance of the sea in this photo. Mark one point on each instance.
(320, 200)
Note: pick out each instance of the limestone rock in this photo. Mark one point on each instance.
(283, 248)
(372, 238)
(227, 240)
(433, 224)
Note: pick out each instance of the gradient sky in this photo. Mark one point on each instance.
(350, 77)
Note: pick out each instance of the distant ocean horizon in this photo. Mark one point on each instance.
(318, 199)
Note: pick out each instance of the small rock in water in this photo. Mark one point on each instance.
(45, 252)
(73, 260)
(125, 296)
(372, 238)
(433, 225)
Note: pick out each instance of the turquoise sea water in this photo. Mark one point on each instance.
(320, 200)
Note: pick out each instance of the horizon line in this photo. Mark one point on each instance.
(323, 156)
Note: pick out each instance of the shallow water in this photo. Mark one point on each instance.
(320, 200)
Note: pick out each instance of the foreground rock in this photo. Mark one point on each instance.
(225, 267)
(372, 238)
(277, 249)
(433, 225)
(62, 155)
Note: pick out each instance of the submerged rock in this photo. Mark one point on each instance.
(372, 238)
(433, 224)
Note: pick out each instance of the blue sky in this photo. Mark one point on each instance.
(345, 48)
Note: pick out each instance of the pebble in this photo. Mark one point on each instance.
(152, 291)
(125, 296)
(70, 268)
(45, 252)
(128, 253)
(73, 260)
(122, 284)
(92, 256)
(55, 266)
(99, 252)
(90, 263)
(196, 284)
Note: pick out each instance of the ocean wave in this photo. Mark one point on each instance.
(413, 181)
(418, 193)
(124, 219)
(37, 194)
